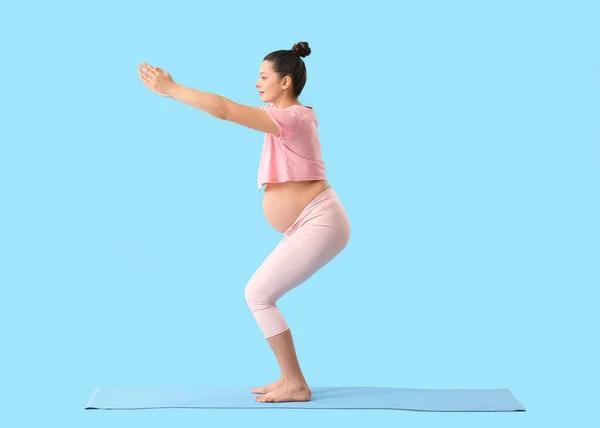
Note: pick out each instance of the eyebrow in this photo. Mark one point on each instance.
(262, 72)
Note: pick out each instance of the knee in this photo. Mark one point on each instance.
(256, 298)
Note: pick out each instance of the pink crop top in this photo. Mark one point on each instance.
(294, 155)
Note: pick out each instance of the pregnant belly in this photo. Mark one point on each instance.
(283, 202)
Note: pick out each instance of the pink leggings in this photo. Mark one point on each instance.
(321, 232)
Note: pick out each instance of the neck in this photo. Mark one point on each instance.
(286, 103)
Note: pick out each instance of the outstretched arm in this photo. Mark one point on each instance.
(225, 109)
(210, 103)
(220, 107)
(251, 117)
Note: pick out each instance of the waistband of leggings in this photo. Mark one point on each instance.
(323, 196)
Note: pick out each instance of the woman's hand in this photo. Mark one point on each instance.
(156, 79)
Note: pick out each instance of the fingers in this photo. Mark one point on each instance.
(150, 75)
(144, 76)
(146, 81)
(148, 69)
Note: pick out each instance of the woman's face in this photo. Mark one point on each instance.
(268, 86)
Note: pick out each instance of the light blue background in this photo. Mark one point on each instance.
(462, 138)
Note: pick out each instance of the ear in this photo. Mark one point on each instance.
(287, 82)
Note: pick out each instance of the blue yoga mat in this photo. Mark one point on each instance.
(428, 400)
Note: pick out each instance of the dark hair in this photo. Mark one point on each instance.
(290, 63)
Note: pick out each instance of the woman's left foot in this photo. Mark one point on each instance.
(286, 392)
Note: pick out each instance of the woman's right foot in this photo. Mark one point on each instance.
(269, 387)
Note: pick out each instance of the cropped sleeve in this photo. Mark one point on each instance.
(287, 120)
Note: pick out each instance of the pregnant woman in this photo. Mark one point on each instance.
(297, 202)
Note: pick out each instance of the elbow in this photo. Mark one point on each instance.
(223, 111)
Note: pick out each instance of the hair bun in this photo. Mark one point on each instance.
(301, 49)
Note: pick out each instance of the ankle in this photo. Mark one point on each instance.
(299, 383)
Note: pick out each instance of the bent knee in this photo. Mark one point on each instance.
(256, 297)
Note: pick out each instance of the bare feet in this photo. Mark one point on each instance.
(269, 387)
(286, 392)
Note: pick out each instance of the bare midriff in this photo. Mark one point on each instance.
(283, 202)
